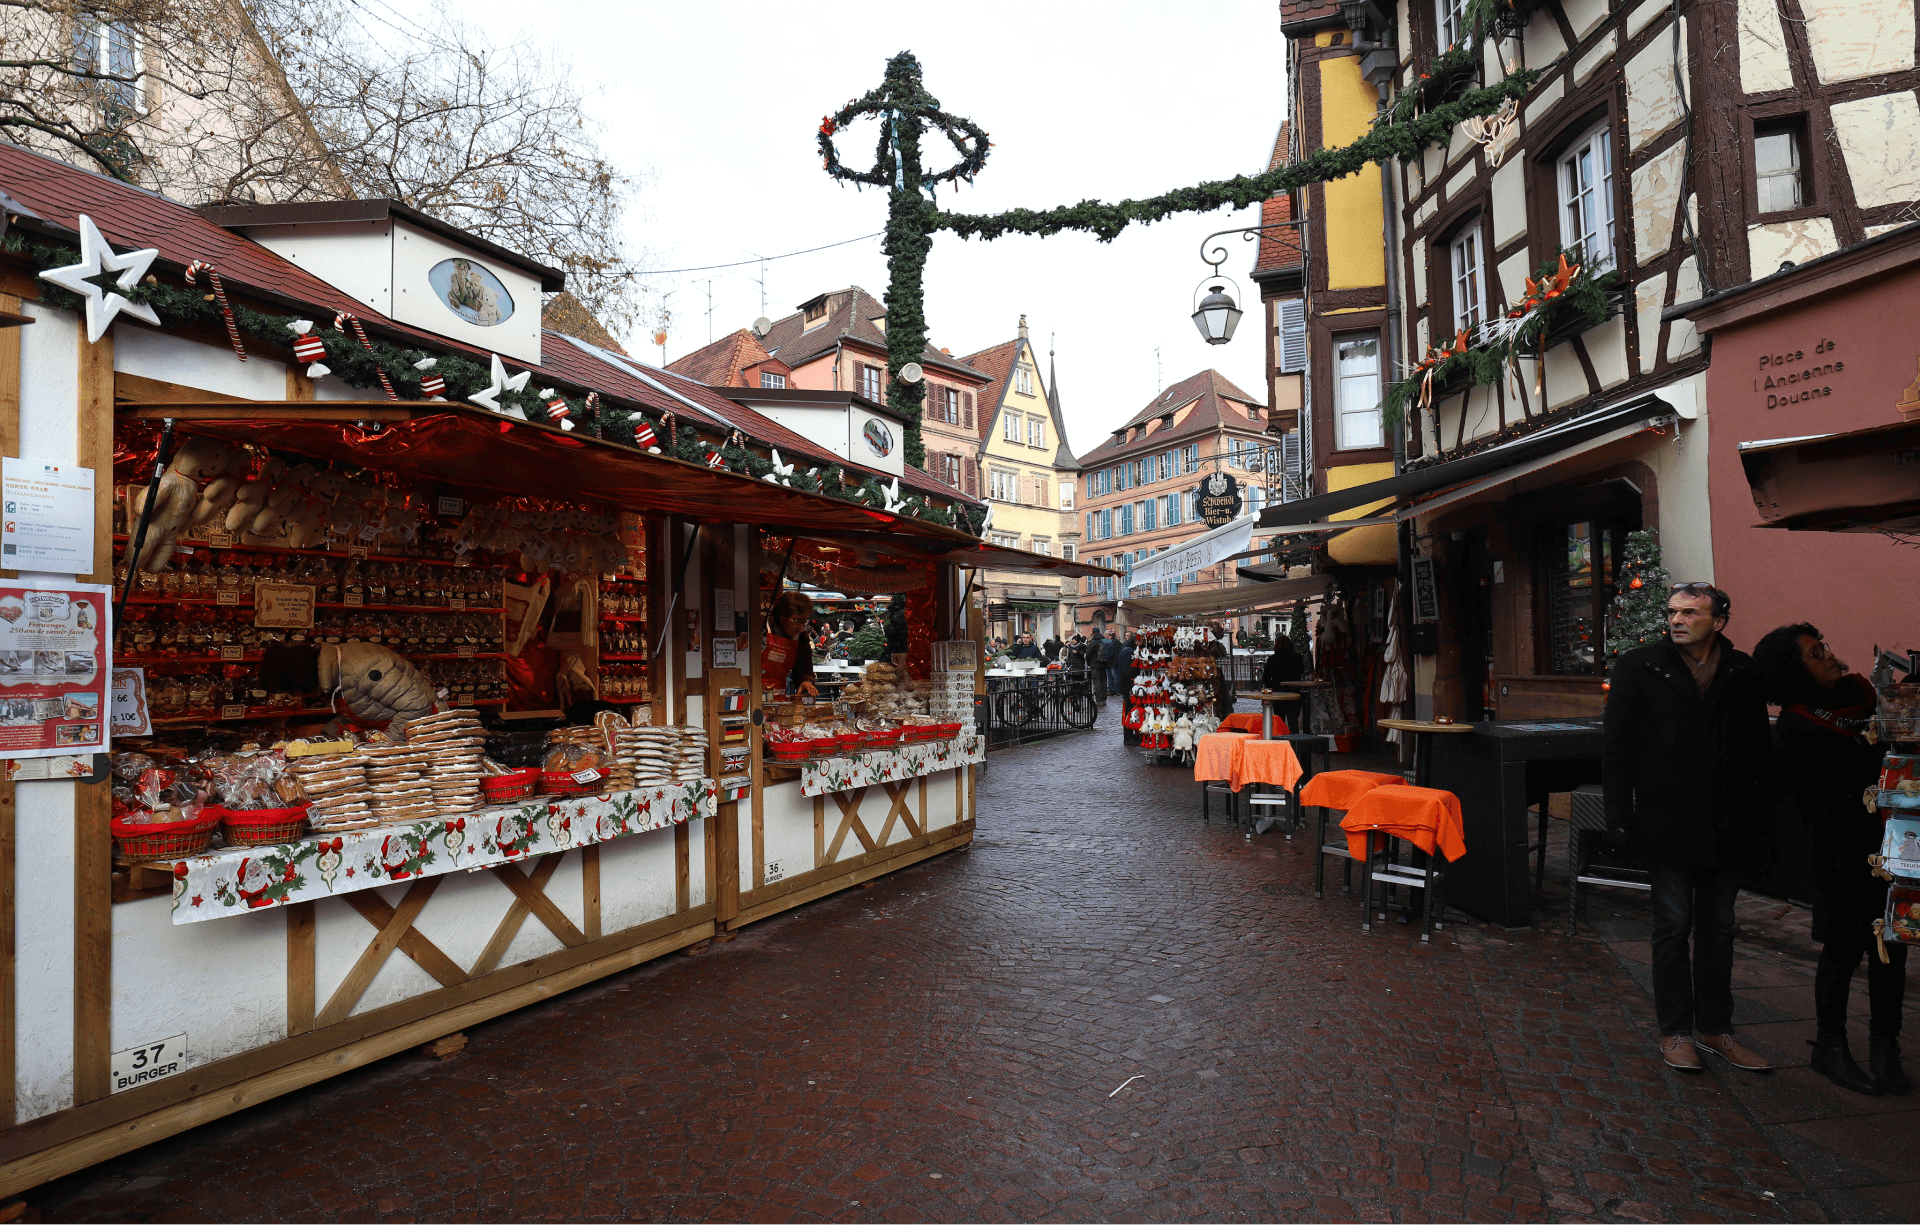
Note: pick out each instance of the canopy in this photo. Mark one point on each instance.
(477, 449)
(1231, 599)
(1860, 481)
(1197, 554)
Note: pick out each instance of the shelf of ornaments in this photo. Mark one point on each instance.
(623, 620)
(217, 602)
(475, 558)
(256, 713)
(131, 660)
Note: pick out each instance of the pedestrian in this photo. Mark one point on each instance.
(1025, 649)
(1110, 663)
(1825, 715)
(1282, 667)
(1685, 754)
(1097, 671)
(1051, 651)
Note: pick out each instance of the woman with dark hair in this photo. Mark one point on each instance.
(1825, 713)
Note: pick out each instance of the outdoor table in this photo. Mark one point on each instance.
(1497, 772)
(1424, 817)
(1423, 731)
(1264, 761)
(1213, 756)
(1249, 721)
(1305, 690)
(1266, 711)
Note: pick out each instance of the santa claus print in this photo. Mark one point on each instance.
(395, 855)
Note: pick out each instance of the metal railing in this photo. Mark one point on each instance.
(1022, 709)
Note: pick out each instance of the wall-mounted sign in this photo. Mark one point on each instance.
(879, 438)
(54, 640)
(1218, 499)
(471, 292)
(1426, 592)
(49, 517)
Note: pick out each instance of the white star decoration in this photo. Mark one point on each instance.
(96, 257)
(895, 503)
(782, 474)
(490, 398)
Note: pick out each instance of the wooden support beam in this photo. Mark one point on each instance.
(540, 905)
(424, 952)
(93, 802)
(516, 915)
(300, 968)
(360, 977)
(590, 890)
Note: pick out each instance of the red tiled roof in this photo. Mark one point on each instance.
(997, 365)
(1206, 391)
(720, 363)
(850, 316)
(1278, 248)
(1319, 12)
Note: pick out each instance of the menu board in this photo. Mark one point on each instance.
(54, 668)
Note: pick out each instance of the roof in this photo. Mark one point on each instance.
(1301, 16)
(850, 316)
(324, 212)
(997, 364)
(566, 314)
(1278, 248)
(1205, 391)
(720, 363)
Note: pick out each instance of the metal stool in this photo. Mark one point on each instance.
(1587, 826)
(1337, 849)
(1383, 868)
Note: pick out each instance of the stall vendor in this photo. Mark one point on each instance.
(786, 657)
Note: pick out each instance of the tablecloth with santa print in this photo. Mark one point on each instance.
(891, 765)
(244, 879)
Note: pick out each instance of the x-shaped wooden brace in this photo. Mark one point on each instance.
(849, 802)
(529, 898)
(396, 931)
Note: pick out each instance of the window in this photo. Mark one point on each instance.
(1233, 452)
(813, 314)
(1003, 486)
(1043, 547)
(1042, 488)
(1036, 432)
(951, 469)
(1149, 470)
(966, 409)
(1106, 480)
(1469, 280)
(776, 382)
(1126, 519)
(1005, 541)
(1023, 380)
(946, 405)
(1148, 519)
(1357, 392)
(112, 50)
(867, 382)
(1066, 552)
(1173, 509)
(1779, 168)
(1579, 560)
(1193, 458)
(1010, 427)
(1133, 475)
(1120, 477)
(1106, 524)
(1586, 198)
(1450, 24)
(1066, 495)
(1293, 335)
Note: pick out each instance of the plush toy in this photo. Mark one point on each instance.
(1183, 738)
(174, 500)
(376, 685)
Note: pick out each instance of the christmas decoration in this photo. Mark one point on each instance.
(220, 296)
(432, 386)
(1638, 614)
(643, 435)
(557, 411)
(97, 259)
(490, 398)
(309, 348)
(341, 322)
(714, 458)
(781, 474)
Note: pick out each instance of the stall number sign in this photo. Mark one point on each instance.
(144, 1064)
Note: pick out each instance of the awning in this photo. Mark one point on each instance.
(472, 448)
(1204, 550)
(1493, 466)
(1860, 481)
(1231, 599)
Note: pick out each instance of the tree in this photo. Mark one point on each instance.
(1638, 614)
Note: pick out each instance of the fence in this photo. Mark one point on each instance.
(1022, 709)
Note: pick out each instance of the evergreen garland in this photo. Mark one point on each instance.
(1638, 614)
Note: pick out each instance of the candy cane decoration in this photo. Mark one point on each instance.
(308, 348)
(340, 322)
(432, 385)
(220, 296)
(557, 410)
(592, 408)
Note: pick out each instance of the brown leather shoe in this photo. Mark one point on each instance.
(1677, 1050)
(1729, 1048)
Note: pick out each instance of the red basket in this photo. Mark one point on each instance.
(790, 750)
(513, 785)
(263, 826)
(887, 740)
(828, 746)
(562, 783)
(943, 731)
(173, 840)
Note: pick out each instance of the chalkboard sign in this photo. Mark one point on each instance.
(1426, 592)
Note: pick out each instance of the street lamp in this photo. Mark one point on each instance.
(1217, 316)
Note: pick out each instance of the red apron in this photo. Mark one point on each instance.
(777, 658)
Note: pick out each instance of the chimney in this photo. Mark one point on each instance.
(1023, 327)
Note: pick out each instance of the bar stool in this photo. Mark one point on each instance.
(1424, 817)
(1337, 790)
(1271, 763)
(1213, 769)
(1587, 825)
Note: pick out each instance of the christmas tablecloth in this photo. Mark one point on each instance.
(891, 765)
(242, 879)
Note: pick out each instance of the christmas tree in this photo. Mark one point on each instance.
(1302, 640)
(1638, 614)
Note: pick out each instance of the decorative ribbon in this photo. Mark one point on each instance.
(557, 410)
(220, 296)
(340, 322)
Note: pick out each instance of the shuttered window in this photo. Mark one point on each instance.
(1293, 336)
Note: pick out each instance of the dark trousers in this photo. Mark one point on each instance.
(1693, 987)
(1833, 979)
(1098, 674)
(1113, 678)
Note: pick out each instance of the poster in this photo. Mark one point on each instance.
(49, 516)
(283, 605)
(128, 696)
(54, 667)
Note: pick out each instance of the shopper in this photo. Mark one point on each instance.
(1686, 749)
(1025, 649)
(1110, 652)
(1096, 666)
(1051, 651)
(1828, 763)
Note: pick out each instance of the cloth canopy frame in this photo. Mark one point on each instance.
(1231, 599)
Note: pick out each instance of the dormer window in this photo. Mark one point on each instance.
(879, 323)
(1023, 380)
(813, 314)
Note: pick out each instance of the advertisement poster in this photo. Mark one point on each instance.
(49, 516)
(54, 669)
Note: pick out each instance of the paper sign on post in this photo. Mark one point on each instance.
(54, 664)
(48, 522)
(129, 710)
(722, 610)
(725, 653)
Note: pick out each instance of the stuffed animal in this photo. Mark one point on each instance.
(1183, 738)
(377, 685)
(175, 498)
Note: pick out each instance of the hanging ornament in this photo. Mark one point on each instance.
(673, 429)
(432, 385)
(643, 435)
(220, 296)
(308, 347)
(590, 411)
(557, 410)
(96, 259)
(714, 458)
(490, 398)
(1635, 584)
(340, 324)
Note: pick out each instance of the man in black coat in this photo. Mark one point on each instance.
(1096, 643)
(1685, 757)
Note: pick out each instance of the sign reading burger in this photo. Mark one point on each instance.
(1217, 500)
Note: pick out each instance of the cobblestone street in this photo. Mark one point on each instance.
(1103, 1010)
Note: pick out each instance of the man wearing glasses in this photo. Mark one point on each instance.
(1687, 746)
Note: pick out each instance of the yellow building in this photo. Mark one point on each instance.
(1028, 476)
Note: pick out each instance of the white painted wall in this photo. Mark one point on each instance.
(157, 355)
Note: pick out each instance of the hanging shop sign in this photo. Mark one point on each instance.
(53, 668)
(1218, 499)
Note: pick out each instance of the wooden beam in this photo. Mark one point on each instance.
(424, 952)
(331, 410)
(93, 802)
(375, 955)
(300, 965)
(819, 831)
(516, 915)
(540, 905)
(795, 891)
(717, 573)
(9, 929)
(682, 867)
(138, 388)
(590, 889)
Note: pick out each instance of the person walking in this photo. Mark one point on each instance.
(1282, 667)
(1685, 753)
(1025, 649)
(1096, 665)
(1825, 713)
(1110, 662)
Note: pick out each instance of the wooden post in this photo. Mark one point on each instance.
(717, 573)
(9, 445)
(93, 802)
(300, 966)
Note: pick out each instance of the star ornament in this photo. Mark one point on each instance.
(490, 398)
(96, 259)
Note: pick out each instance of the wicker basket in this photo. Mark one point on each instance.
(263, 826)
(562, 783)
(174, 840)
(506, 788)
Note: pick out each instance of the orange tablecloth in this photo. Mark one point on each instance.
(1341, 789)
(1213, 756)
(1266, 761)
(1249, 721)
(1425, 816)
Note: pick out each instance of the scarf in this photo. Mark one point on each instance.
(1848, 720)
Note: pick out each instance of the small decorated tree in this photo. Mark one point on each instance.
(1302, 639)
(1638, 615)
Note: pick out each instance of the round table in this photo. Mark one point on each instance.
(1423, 732)
(1266, 712)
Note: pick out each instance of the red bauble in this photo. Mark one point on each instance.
(1635, 584)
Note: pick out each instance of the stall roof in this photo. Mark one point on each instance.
(1244, 598)
(1860, 481)
(1538, 449)
(477, 449)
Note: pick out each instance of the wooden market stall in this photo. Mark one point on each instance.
(146, 988)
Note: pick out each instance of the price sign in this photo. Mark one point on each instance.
(464, 650)
(465, 699)
(232, 653)
(229, 596)
(129, 703)
(284, 605)
(353, 599)
(586, 776)
(236, 711)
(356, 550)
(449, 506)
(218, 538)
(459, 605)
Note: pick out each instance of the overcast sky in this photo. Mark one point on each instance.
(717, 105)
